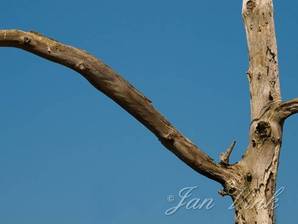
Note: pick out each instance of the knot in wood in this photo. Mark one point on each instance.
(250, 5)
(231, 187)
(81, 66)
(27, 40)
(248, 177)
(169, 138)
(263, 130)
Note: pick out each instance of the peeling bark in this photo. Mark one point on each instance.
(254, 198)
(263, 71)
(251, 182)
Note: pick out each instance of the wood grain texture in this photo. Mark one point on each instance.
(103, 78)
(254, 200)
(251, 182)
(263, 72)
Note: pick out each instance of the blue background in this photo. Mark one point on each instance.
(69, 155)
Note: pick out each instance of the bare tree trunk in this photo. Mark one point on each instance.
(252, 181)
(254, 200)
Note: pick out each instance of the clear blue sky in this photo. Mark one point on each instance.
(69, 155)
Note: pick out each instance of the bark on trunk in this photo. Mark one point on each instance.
(254, 197)
(252, 187)
(252, 181)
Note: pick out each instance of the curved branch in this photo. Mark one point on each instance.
(287, 109)
(119, 90)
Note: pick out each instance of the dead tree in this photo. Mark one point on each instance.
(251, 182)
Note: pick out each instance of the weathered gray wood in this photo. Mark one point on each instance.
(252, 181)
(254, 197)
(123, 93)
(263, 71)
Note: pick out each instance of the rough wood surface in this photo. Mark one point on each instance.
(254, 197)
(123, 93)
(263, 71)
(251, 181)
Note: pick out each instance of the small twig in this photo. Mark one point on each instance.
(223, 193)
(225, 156)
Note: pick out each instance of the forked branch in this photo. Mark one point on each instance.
(287, 109)
(119, 90)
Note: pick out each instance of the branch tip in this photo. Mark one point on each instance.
(287, 109)
(225, 156)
